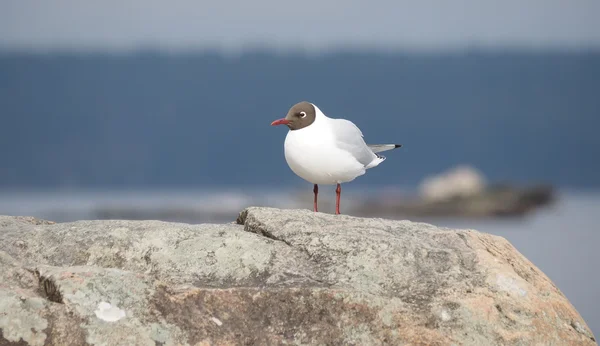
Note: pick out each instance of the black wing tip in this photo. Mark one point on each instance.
(397, 146)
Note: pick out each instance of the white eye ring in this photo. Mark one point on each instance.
(302, 114)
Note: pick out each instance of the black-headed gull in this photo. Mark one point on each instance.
(322, 150)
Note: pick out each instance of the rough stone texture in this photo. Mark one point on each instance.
(275, 277)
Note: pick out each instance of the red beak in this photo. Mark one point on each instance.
(280, 122)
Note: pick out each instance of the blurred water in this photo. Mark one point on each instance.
(561, 240)
(147, 120)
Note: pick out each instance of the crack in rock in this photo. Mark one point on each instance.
(48, 287)
(254, 226)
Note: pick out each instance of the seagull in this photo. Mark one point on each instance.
(323, 150)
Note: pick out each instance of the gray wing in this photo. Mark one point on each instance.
(349, 137)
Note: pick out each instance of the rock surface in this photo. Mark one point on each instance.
(275, 277)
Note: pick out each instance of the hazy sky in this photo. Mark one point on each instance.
(306, 24)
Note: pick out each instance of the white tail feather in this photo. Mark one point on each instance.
(377, 148)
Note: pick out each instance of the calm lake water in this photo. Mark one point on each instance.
(562, 240)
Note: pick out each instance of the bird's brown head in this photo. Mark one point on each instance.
(299, 116)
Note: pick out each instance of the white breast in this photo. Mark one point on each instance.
(313, 155)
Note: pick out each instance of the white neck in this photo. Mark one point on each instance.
(318, 114)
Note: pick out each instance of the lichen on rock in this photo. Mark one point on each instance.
(274, 277)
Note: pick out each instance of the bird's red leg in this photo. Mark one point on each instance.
(316, 191)
(338, 194)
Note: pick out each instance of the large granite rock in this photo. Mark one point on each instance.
(275, 277)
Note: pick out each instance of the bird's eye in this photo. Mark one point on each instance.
(302, 114)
